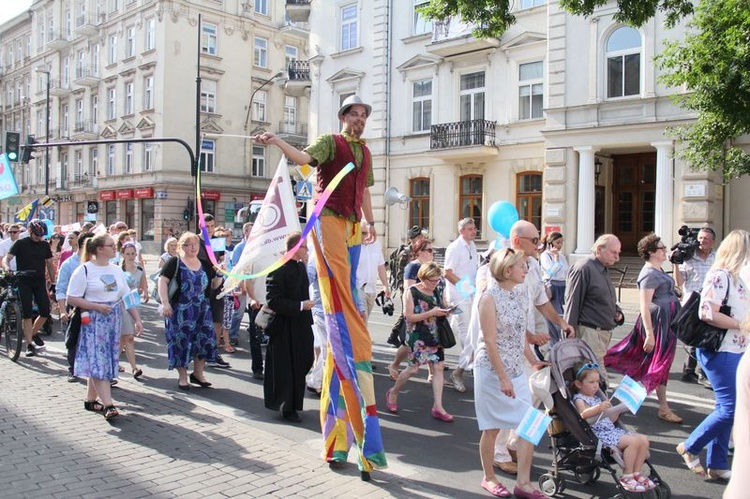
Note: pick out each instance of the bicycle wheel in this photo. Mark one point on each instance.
(13, 330)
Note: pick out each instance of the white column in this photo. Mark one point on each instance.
(664, 203)
(586, 200)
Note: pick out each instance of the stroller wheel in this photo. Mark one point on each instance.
(587, 477)
(551, 485)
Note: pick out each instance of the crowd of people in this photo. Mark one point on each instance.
(505, 306)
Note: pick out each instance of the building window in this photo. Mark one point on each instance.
(472, 97)
(261, 7)
(421, 105)
(348, 31)
(208, 150)
(527, 4)
(530, 90)
(111, 104)
(291, 54)
(129, 98)
(111, 211)
(259, 162)
(130, 42)
(65, 125)
(95, 109)
(208, 96)
(79, 165)
(529, 195)
(111, 159)
(148, 92)
(112, 50)
(147, 220)
(259, 106)
(421, 23)
(623, 62)
(470, 202)
(148, 157)
(150, 34)
(94, 163)
(95, 59)
(208, 38)
(419, 208)
(260, 57)
(129, 158)
(79, 115)
(290, 114)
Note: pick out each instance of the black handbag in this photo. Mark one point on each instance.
(73, 331)
(446, 338)
(695, 332)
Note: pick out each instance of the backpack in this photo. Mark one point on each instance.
(396, 264)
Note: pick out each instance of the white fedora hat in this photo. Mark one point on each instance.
(353, 100)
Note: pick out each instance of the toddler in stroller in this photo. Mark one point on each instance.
(576, 446)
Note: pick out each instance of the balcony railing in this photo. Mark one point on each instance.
(298, 2)
(299, 70)
(79, 181)
(86, 126)
(298, 10)
(298, 129)
(462, 134)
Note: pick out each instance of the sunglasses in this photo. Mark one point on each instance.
(589, 366)
(534, 240)
(14, 231)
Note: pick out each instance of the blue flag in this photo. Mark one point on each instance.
(630, 393)
(533, 425)
(132, 299)
(8, 186)
(27, 212)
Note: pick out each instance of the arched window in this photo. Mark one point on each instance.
(419, 208)
(529, 196)
(623, 52)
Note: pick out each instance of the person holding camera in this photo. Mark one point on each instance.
(371, 267)
(689, 275)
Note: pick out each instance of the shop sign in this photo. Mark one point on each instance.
(125, 194)
(211, 195)
(106, 195)
(257, 196)
(144, 193)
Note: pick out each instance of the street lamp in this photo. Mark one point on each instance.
(252, 96)
(46, 149)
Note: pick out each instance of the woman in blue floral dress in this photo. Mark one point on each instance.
(189, 326)
(422, 305)
(96, 287)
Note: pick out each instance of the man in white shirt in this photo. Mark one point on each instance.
(371, 267)
(14, 230)
(461, 263)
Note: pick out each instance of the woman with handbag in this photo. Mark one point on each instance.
(423, 304)
(184, 287)
(96, 288)
(722, 284)
(646, 354)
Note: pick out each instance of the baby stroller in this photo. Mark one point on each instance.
(575, 447)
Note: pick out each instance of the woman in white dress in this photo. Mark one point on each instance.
(502, 389)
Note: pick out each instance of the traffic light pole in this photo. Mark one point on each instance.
(46, 136)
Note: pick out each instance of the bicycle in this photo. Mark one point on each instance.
(11, 318)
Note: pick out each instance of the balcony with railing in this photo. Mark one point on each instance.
(298, 10)
(293, 132)
(298, 78)
(86, 76)
(57, 41)
(87, 25)
(84, 130)
(59, 88)
(80, 181)
(463, 139)
(452, 36)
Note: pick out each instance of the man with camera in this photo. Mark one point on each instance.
(692, 260)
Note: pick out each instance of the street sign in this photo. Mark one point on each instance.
(46, 213)
(304, 171)
(304, 190)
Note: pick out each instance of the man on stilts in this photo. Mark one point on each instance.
(348, 410)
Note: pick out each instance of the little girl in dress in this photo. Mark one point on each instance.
(601, 416)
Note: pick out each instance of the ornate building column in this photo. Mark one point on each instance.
(586, 200)
(664, 202)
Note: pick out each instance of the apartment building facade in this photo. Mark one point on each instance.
(562, 116)
(127, 69)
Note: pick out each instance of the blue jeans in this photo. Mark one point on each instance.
(721, 370)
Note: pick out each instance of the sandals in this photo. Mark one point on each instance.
(393, 372)
(137, 373)
(458, 382)
(630, 484)
(229, 349)
(670, 417)
(392, 408)
(644, 480)
(93, 406)
(719, 474)
(442, 416)
(691, 460)
(110, 412)
(497, 489)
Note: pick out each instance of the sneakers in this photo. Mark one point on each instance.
(30, 351)
(220, 363)
(393, 340)
(38, 341)
(72, 378)
(630, 484)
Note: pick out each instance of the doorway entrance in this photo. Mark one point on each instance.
(634, 198)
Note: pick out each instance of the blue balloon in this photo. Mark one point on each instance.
(50, 227)
(501, 217)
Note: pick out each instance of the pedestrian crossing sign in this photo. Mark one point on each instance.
(304, 190)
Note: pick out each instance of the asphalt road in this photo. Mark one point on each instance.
(436, 456)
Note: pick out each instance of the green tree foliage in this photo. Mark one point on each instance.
(493, 17)
(713, 63)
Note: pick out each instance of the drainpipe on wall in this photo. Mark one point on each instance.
(388, 57)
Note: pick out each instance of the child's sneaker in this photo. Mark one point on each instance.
(629, 483)
(645, 481)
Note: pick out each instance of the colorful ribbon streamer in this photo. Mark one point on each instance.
(286, 256)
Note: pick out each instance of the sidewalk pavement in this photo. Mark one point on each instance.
(161, 445)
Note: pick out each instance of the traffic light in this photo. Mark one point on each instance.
(186, 215)
(12, 143)
(27, 149)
